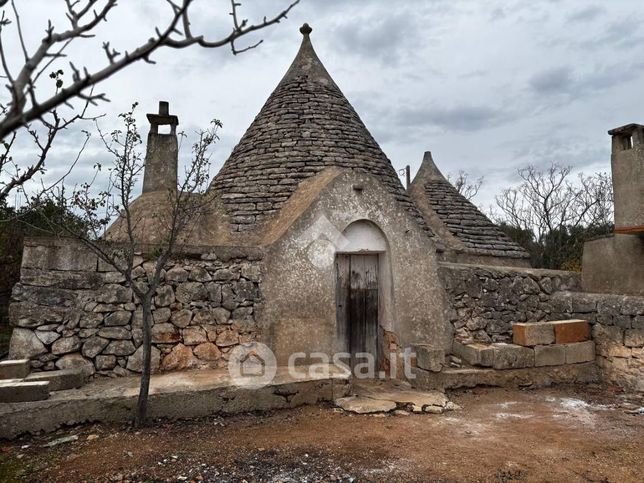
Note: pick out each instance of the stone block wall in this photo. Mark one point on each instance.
(486, 301)
(617, 329)
(71, 310)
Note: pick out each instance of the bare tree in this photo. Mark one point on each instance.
(555, 208)
(26, 110)
(174, 220)
(469, 189)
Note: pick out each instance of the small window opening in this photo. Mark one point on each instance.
(165, 129)
(627, 142)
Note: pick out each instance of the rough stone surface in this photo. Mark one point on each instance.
(58, 312)
(549, 355)
(466, 222)
(135, 361)
(76, 362)
(194, 336)
(25, 344)
(120, 317)
(66, 345)
(486, 301)
(19, 391)
(207, 352)
(530, 335)
(94, 346)
(120, 348)
(179, 358)
(510, 356)
(365, 405)
(475, 354)
(305, 126)
(429, 357)
(570, 331)
(14, 369)
(580, 352)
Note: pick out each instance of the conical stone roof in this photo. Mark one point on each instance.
(305, 126)
(448, 211)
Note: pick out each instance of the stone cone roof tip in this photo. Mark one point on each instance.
(305, 126)
(428, 169)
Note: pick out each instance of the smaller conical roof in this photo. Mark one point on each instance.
(453, 216)
(305, 126)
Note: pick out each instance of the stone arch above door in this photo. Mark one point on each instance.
(363, 236)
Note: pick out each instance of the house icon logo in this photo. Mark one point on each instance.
(252, 365)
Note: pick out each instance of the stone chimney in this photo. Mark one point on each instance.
(627, 164)
(162, 153)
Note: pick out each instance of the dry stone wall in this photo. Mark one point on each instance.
(486, 301)
(70, 310)
(617, 329)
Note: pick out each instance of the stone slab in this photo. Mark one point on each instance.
(16, 391)
(14, 368)
(365, 405)
(172, 395)
(403, 395)
(530, 335)
(510, 356)
(533, 377)
(474, 354)
(570, 331)
(549, 355)
(580, 352)
(61, 379)
(428, 357)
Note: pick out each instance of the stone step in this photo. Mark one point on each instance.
(474, 354)
(14, 368)
(59, 380)
(429, 357)
(527, 377)
(14, 391)
(550, 332)
(511, 356)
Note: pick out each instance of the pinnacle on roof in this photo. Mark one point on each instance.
(305, 126)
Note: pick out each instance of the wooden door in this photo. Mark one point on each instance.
(357, 303)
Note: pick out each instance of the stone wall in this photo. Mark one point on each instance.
(487, 300)
(70, 309)
(618, 330)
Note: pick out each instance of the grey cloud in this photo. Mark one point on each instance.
(385, 38)
(586, 14)
(464, 118)
(552, 81)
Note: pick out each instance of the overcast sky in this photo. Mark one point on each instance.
(487, 86)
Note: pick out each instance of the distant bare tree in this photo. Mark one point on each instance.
(179, 208)
(469, 189)
(556, 209)
(41, 117)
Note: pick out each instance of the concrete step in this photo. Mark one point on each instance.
(59, 380)
(174, 395)
(527, 377)
(14, 368)
(15, 391)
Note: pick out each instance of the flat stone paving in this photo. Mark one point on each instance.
(172, 395)
(385, 396)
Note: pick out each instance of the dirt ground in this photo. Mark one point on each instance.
(568, 434)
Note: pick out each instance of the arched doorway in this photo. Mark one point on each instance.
(359, 291)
